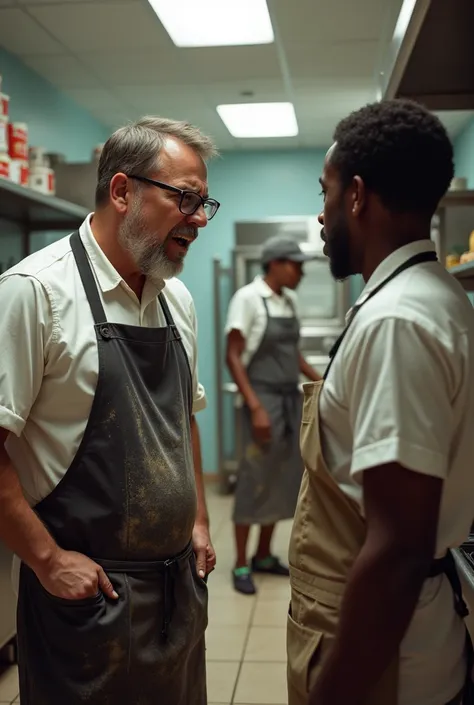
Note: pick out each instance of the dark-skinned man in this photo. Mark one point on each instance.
(387, 441)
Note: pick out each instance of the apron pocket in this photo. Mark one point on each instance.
(303, 646)
(83, 602)
(85, 641)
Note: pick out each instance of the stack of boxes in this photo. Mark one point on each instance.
(23, 166)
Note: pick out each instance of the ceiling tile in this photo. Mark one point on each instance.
(162, 99)
(159, 66)
(103, 26)
(321, 22)
(264, 91)
(22, 35)
(233, 63)
(348, 60)
(63, 71)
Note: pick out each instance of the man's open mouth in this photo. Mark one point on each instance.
(182, 241)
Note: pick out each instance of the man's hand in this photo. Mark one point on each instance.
(261, 426)
(73, 576)
(203, 549)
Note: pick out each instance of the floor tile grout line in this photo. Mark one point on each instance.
(246, 641)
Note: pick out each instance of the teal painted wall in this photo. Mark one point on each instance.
(464, 154)
(55, 122)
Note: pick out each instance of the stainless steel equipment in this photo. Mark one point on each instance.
(322, 305)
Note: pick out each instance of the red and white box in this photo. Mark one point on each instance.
(3, 135)
(18, 140)
(4, 105)
(4, 166)
(37, 157)
(42, 179)
(19, 172)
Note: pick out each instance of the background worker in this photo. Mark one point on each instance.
(265, 362)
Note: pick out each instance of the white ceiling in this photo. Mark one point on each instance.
(114, 58)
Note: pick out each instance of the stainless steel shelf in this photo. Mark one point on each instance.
(36, 211)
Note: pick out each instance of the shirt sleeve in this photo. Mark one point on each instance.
(25, 331)
(241, 314)
(199, 394)
(399, 380)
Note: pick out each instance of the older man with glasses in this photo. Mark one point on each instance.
(101, 492)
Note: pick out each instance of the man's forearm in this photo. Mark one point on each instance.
(240, 377)
(202, 515)
(20, 528)
(380, 599)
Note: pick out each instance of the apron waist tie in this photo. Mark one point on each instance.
(447, 566)
(165, 567)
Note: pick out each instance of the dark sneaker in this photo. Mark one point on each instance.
(270, 566)
(242, 578)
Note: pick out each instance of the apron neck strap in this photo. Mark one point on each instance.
(87, 277)
(416, 259)
(167, 313)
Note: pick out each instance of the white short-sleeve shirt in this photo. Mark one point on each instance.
(247, 312)
(401, 389)
(49, 362)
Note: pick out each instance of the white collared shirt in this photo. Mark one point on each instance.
(247, 312)
(401, 389)
(49, 362)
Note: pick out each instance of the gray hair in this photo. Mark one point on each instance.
(135, 149)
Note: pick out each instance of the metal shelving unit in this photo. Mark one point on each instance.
(33, 211)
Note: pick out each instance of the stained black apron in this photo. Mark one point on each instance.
(269, 478)
(445, 565)
(128, 501)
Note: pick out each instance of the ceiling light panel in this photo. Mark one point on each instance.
(259, 119)
(212, 23)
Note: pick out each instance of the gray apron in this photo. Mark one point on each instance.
(269, 478)
(128, 501)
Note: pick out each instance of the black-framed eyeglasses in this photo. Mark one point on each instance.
(189, 202)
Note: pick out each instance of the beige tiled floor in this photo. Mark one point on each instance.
(246, 635)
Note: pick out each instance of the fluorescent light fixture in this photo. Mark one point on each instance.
(404, 19)
(212, 23)
(259, 119)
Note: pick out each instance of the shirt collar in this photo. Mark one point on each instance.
(392, 262)
(107, 276)
(264, 290)
(262, 287)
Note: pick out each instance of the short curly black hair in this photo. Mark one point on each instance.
(400, 150)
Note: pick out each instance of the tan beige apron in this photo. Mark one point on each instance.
(328, 534)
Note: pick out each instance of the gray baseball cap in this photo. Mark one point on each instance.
(283, 247)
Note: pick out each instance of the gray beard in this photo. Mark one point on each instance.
(149, 256)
